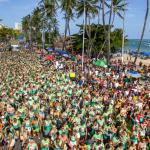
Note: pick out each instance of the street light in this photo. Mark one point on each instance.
(43, 37)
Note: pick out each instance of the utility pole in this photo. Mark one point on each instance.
(30, 33)
(43, 36)
(83, 38)
(123, 35)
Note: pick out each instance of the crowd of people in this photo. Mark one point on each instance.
(42, 107)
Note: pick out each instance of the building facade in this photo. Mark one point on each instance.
(18, 26)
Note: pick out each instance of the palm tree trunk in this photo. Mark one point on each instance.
(69, 27)
(143, 31)
(101, 48)
(90, 40)
(103, 15)
(103, 20)
(98, 23)
(66, 28)
(123, 39)
(69, 32)
(109, 31)
(114, 15)
(49, 40)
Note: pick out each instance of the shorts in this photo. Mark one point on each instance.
(12, 144)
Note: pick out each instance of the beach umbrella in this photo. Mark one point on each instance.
(146, 54)
(134, 74)
(73, 58)
(100, 63)
(50, 49)
(63, 53)
(49, 57)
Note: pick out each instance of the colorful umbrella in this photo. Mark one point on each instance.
(134, 74)
(49, 58)
(101, 63)
(50, 49)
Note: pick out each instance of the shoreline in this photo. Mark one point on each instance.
(126, 58)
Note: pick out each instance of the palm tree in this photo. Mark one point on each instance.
(49, 10)
(109, 30)
(36, 21)
(91, 10)
(67, 7)
(53, 31)
(49, 7)
(143, 31)
(117, 7)
(26, 27)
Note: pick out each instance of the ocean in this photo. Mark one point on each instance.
(133, 43)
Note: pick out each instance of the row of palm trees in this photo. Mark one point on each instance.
(44, 17)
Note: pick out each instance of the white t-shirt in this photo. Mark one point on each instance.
(96, 72)
(139, 105)
(126, 93)
(57, 64)
(116, 84)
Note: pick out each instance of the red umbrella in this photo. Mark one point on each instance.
(49, 57)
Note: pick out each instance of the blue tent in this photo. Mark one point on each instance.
(63, 53)
(134, 74)
(146, 54)
(50, 49)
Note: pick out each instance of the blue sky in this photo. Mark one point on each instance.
(12, 11)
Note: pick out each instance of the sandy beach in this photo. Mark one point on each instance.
(127, 59)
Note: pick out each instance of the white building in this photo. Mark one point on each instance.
(18, 26)
(1, 25)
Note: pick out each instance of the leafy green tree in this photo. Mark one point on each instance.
(36, 22)
(115, 7)
(26, 27)
(91, 10)
(119, 6)
(116, 40)
(50, 23)
(67, 7)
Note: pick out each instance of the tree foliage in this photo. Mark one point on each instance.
(7, 34)
(98, 37)
(116, 39)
